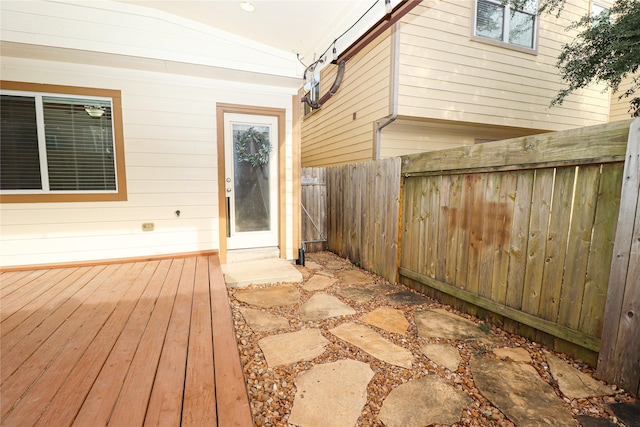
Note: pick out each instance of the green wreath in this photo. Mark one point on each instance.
(253, 147)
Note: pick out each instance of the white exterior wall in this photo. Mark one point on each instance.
(169, 126)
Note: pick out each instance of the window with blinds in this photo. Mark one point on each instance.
(500, 21)
(55, 143)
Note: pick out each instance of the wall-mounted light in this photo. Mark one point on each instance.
(94, 111)
(247, 6)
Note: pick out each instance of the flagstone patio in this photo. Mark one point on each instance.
(345, 348)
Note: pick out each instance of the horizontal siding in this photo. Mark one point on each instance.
(169, 127)
(331, 135)
(410, 137)
(620, 107)
(445, 75)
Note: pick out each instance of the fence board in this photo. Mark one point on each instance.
(618, 359)
(313, 199)
(363, 202)
(556, 244)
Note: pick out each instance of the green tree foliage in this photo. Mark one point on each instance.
(606, 50)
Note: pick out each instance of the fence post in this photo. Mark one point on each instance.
(619, 358)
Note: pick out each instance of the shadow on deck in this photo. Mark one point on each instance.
(123, 344)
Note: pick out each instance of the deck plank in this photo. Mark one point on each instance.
(233, 404)
(165, 405)
(34, 312)
(128, 343)
(50, 335)
(10, 282)
(18, 298)
(131, 407)
(52, 371)
(199, 406)
(69, 398)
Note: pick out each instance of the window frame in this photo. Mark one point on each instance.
(116, 111)
(505, 44)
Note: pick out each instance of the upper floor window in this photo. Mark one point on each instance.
(59, 146)
(500, 21)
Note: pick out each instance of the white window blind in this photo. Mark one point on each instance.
(51, 144)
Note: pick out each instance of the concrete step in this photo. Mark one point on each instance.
(269, 270)
(254, 254)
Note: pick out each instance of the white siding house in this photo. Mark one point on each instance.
(171, 74)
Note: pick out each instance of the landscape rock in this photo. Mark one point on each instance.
(423, 402)
(443, 354)
(573, 383)
(322, 306)
(387, 318)
(371, 342)
(306, 344)
(261, 321)
(520, 393)
(331, 395)
(271, 296)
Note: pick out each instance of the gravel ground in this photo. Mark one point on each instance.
(272, 390)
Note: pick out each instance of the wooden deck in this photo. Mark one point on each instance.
(127, 344)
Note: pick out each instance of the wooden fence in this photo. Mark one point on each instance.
(521, 232)
(314, 209)
(363, 214)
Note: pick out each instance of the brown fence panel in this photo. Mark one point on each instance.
(619, 358)
(363, 214)
(313, 200)
(520, 231)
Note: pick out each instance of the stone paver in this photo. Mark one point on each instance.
(573, 383)
(313, 265)
(306, 344)
(261, 321)
(359, 295)
(306, 272)
(272, 296)
(318, 283)
(422, 402)
(515, 354)
(331, 395)
(519, 392)
(627, 412)
(443, 354)
(386, 318)
(587, 421)
(371, 342)
(323, 306)
(406, 298)
(440, 323)
(354, 277)
(336, 265)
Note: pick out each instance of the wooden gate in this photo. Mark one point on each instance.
(313, 202)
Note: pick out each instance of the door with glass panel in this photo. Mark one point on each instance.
(251, 180)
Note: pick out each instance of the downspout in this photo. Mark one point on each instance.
(393, 90)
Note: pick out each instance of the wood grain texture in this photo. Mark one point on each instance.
(618, 360)
(126, 344)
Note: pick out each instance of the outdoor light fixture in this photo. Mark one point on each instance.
(94, 111)
(247, 6)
